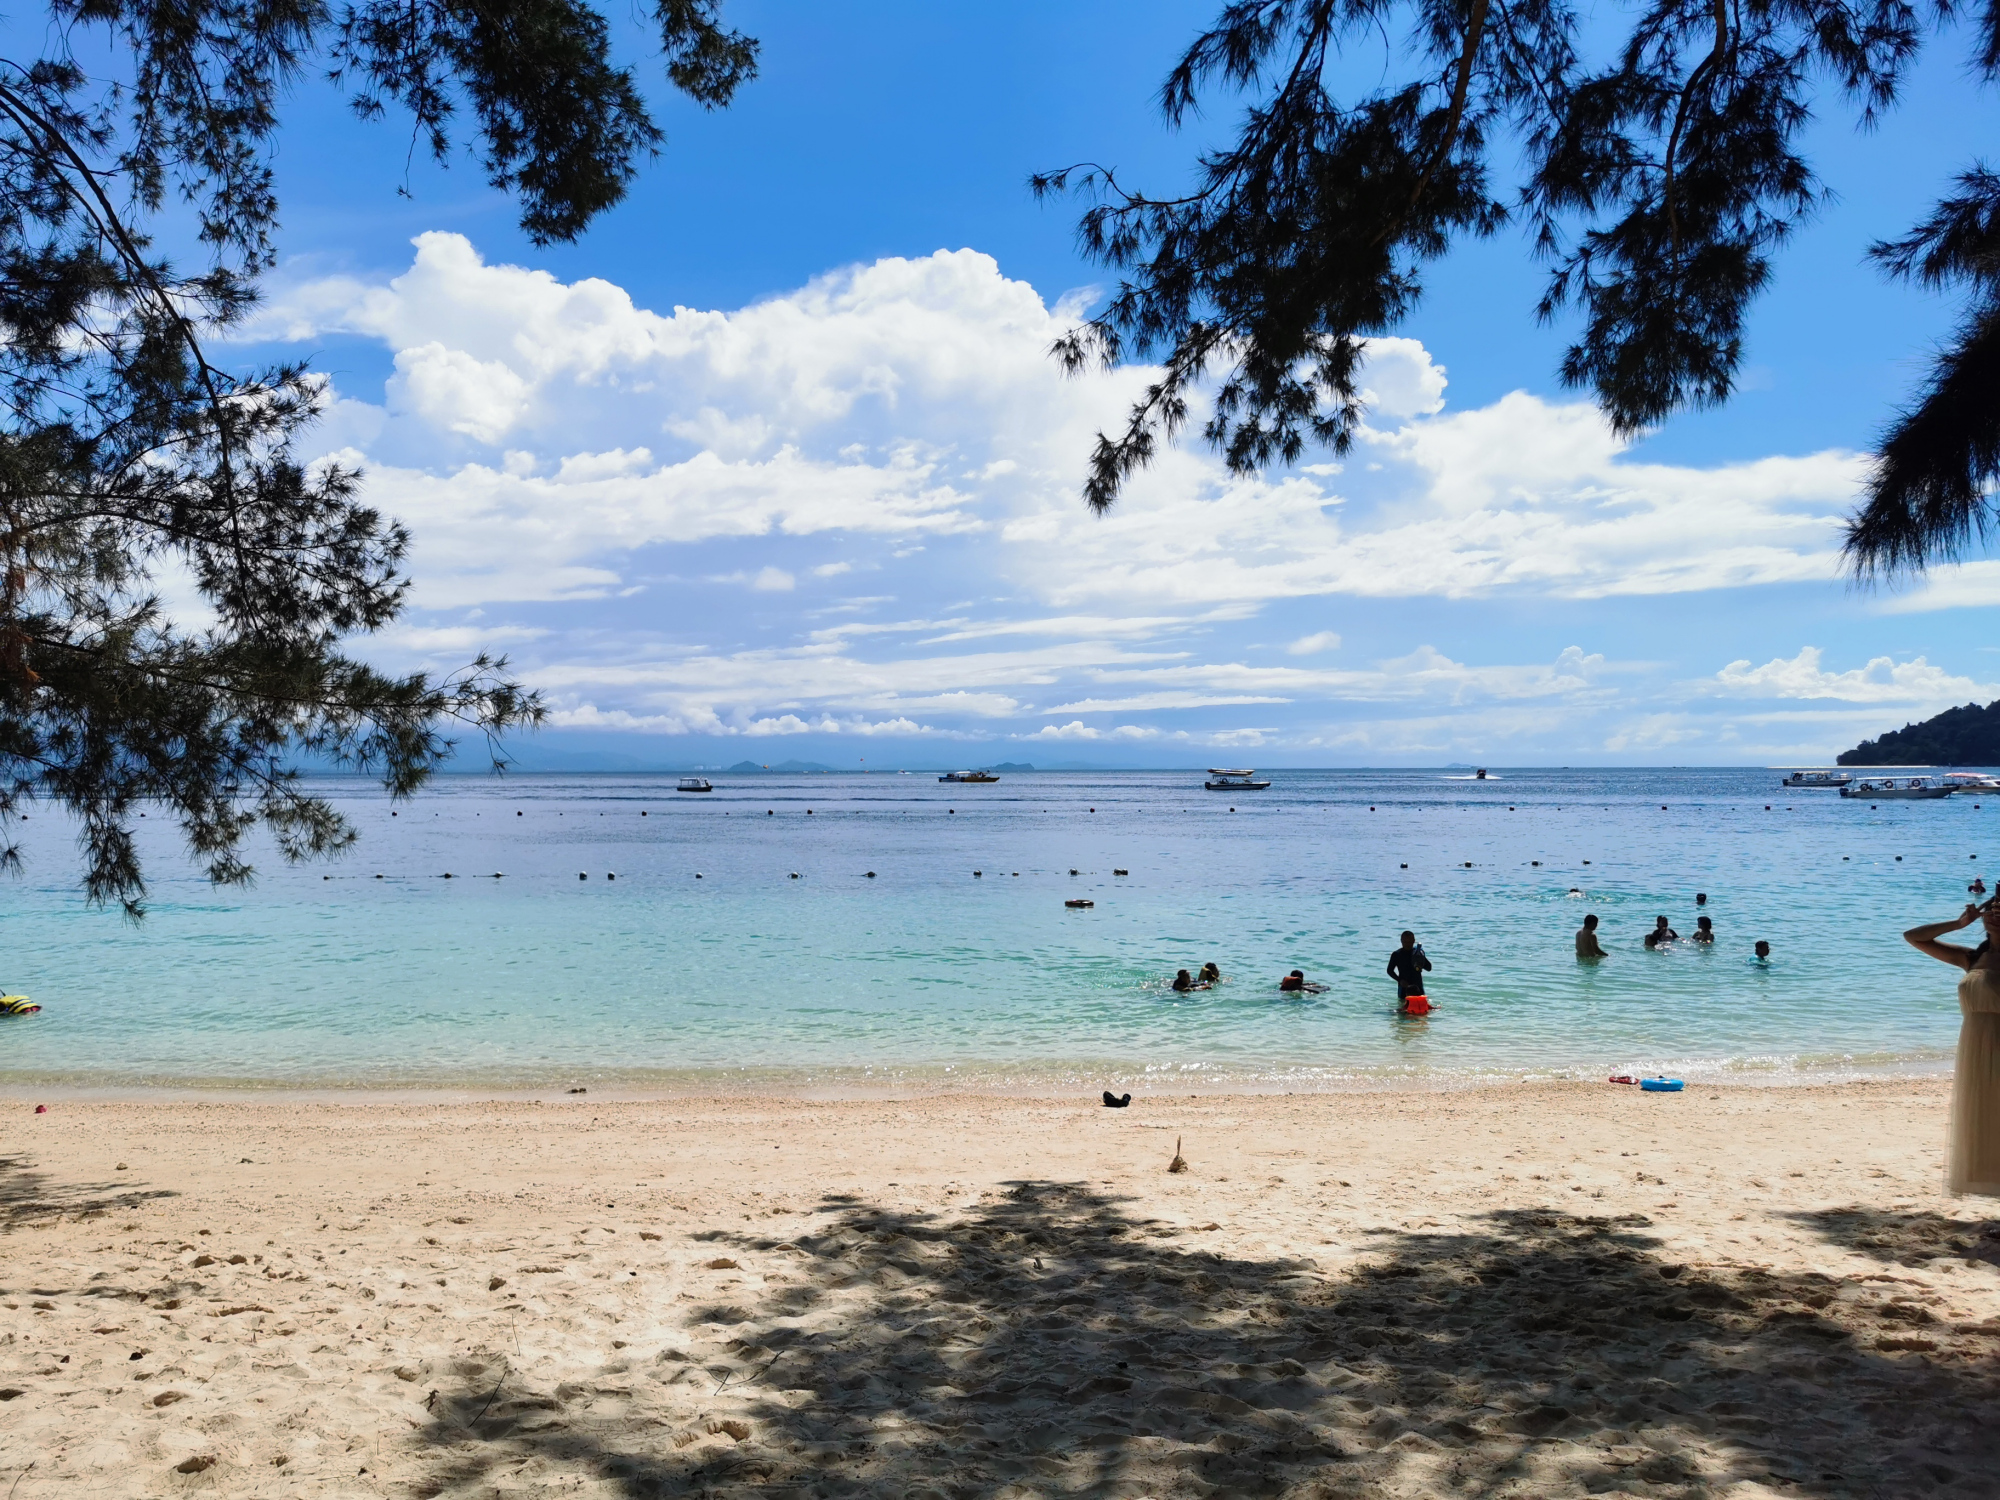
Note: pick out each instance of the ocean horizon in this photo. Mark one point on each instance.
(876, 932)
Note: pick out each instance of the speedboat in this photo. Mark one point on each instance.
(1972, 781)
(693, 784)
(1916, 789)
(961, 776)
(1223, 780)
(1827, 780)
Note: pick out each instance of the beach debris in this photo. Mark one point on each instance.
(728, 1425)
(1179, 1163)
(495, 1283)
(123, 1168)
(168, 1398)
(721, 1263)
(647, 1234)
(1116, 1101)
(41, 1109)
(579, 1091)
(200, 1462)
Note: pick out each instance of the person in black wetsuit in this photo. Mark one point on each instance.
(1407, 966)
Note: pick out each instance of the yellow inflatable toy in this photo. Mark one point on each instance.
(17, 1005)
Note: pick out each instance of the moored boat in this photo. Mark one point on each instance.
(1826, 780)
(693, 784)
(965, 776)
(1916, 789)
(1223, 780)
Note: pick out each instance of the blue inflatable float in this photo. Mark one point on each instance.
(1661, 1085)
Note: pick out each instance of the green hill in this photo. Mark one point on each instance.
(1968, 736)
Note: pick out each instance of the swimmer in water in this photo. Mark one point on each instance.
(1182, 982)
(1296, 980)
(1210, 974)
(1978, 886)
(1704, 930)
(1652, 942)
(1763, 952)
(1663, 933)
(1587, 945)
(1407, 966)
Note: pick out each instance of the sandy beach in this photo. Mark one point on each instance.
(1534, 1290)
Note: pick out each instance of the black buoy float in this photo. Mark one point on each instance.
(871, 874)
(977, 873)
(581, 876)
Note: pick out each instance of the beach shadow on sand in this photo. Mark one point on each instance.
(30, 1196)
(1906, 1237)
(1049, 1342)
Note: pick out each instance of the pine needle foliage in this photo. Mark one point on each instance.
(1654, 182)
(135, 468)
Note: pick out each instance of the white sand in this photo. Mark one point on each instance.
(1541, 1291)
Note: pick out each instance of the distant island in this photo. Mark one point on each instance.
(1968, 736)
(814, 768)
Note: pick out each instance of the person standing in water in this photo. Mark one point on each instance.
(1587, 945)
(1972, 1160)
(1704, 930)
(1407, 966)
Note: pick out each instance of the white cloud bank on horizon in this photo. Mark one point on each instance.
(550, 443)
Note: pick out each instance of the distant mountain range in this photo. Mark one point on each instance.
(1968, 736)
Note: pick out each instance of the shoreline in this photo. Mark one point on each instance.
(813, 1085)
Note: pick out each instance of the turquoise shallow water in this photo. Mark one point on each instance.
(930, 975)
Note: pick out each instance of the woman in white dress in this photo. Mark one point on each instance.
(1972, 1161)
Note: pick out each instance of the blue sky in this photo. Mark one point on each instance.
(772, 463)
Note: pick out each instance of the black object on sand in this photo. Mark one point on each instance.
(1113, 1101)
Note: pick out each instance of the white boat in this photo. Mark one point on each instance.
(977, 777)
(1221, 779)
(1828, 780)
(1972, 781)
(1916, 789)
(693, 784)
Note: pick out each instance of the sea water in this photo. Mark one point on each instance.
(744, 943)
